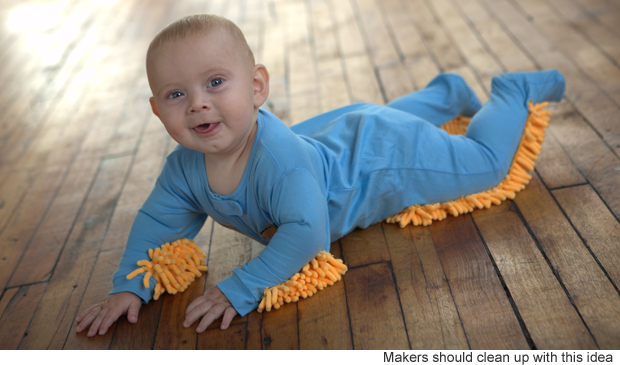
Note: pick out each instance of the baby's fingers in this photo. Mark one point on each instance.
(214, 313)
(229, 314)
(97, 322)
(198, 301)
(107, 321)
(86, 318)
(132, 312)
(86, 312)
(197, 311)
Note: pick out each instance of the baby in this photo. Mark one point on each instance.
(310, 184)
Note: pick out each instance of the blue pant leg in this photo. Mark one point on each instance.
(445, 97)
(445, 167)
(498, 126)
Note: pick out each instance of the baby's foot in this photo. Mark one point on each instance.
(539, 86)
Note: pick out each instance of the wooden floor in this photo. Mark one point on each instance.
(80, 151)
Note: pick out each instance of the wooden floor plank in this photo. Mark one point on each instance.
(14, 189)
(604, 11)
(442, 49)
(431, 316)
(467, 41)
(407, 38)
(216, 339)
(589, 58)
(78, 55)
(41, 255)
(374, 309)
(550, 318)
(591, 156)
(7, 297)
(15, 238)
(365, 247)
(555, 167)
(23, 67)
(395, 81)
(280, 328)
(254, 340)
(595, 31)
(363, 89)
(350, 38)
(54, 318)
(144, 172)
(61, 214)
(323, 31)
(303, 87)
(475, 287)
(377, 38)
(595, 224)
(590, 290)
(423, 70)
(506, 51)
(170, 332)
(275, 61)
(20, 306)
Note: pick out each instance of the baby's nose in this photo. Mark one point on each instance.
(199, 104)
(197, 108)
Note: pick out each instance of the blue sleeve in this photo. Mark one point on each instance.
(299, 209)
(170, 212)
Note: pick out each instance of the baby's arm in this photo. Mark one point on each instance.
(298, 208)
(168, 214)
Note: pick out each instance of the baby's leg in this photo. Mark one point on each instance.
(446, 167)
(444, 98)
(498, 126)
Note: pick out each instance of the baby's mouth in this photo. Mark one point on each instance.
(206, 128)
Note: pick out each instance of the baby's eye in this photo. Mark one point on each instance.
(215, 82)
(175, 94)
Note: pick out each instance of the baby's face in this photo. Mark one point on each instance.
(203, 92)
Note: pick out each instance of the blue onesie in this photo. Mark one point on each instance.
(351, 167)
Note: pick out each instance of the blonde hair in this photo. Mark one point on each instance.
(195, 24)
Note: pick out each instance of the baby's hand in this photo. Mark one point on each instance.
(212, 304)
(102, 315)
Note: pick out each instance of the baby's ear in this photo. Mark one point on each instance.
(260, 81)
(154, 106)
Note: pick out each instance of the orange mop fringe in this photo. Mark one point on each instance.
(174, 265)
(515, 181)
(322, 271)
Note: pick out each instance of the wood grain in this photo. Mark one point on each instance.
(19, 306)
(538, 296)
(476, 287)
(365, 247)
(374, 308)
(430, 313)
(76, 263)
(596, 226)
(590, 290)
